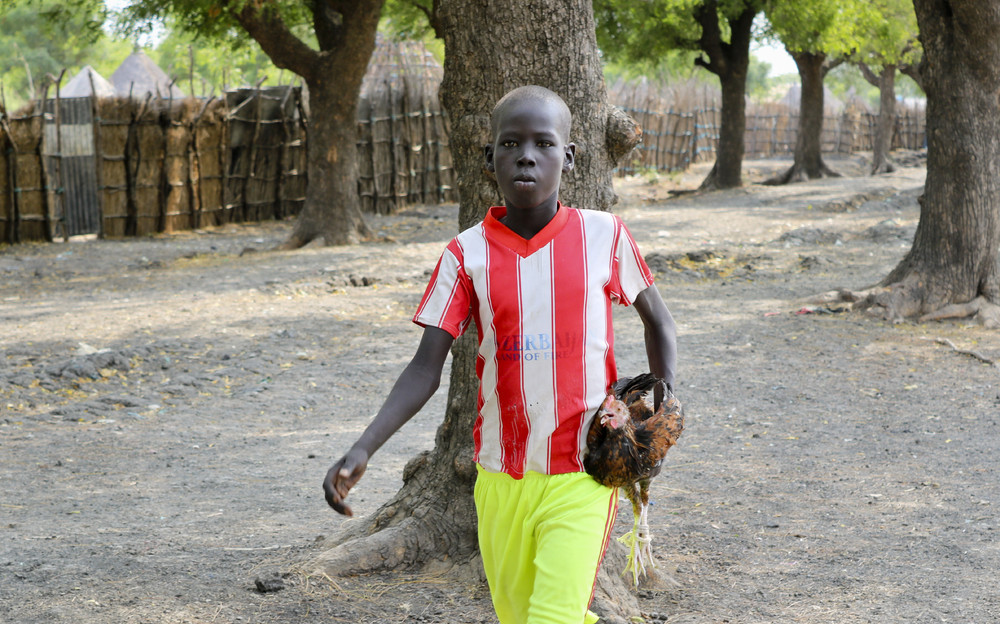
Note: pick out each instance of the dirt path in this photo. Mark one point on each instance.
(168, 407)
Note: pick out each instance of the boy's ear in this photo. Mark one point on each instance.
(488, 153)
(570, 157)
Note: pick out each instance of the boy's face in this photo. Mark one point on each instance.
(529, 152)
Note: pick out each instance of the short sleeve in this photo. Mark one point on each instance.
(633, 274)
(447, 301)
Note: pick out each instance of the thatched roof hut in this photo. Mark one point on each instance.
(139, 75)
(80, 85)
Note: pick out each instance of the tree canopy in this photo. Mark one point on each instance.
(40, 37)
(195, 59)
(816, 26)
(643, 33)
(888, 35)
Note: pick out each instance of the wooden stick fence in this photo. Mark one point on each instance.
(127, 167)
(681, 126)
(402, 131)
(130, 167)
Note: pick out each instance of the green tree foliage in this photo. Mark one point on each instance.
(846, 81)
(759, 82)
(716, 34)
(206, 19)
(639, 33)
(672, 66)
(194, 61)
(40, 37)
(410, 20)
(817, 26)
(888, 35)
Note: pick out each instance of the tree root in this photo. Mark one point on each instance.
(414, 545)
(986, 313)
(885, 167)
(897, 303)
(973, 354)
(411, 544)
(800, 173)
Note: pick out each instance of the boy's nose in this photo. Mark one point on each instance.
(526, 158)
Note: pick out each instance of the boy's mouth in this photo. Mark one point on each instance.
(523, 180)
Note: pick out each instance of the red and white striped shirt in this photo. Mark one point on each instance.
(546, 341)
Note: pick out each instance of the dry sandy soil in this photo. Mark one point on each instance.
(169, 406)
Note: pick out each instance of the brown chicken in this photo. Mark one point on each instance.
(630, 435)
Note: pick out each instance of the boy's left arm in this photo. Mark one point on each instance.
(660, 332)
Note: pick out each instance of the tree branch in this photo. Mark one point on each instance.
(622, 133)
(973, 354)
(741, 30)
(328, 22)
(431, 14)
(710, 42)
(913, 71)
(284, 49)
(831, 64)
(868, 74)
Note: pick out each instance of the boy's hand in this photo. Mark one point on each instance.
(342, 477)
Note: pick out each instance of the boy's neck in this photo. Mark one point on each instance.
(526, 222)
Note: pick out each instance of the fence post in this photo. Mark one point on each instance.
(164, 186)
(57, 166)
(43, 169)
(279, 206)
(195, 198)
(224, 149)
(98, 156)
(254, 139)
(393, 147)
(14, 222)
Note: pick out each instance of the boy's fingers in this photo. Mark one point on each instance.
(342, 488)
(337, 502)
(339, 481)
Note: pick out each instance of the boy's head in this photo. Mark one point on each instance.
(530, 149)
(539, 96)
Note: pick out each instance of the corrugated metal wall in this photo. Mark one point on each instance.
(69, 150)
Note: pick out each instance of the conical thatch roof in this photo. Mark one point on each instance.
(79, 85)
(139, 75)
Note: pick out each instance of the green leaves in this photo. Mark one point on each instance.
(41, 37)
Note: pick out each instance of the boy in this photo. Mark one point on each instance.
(539, 279)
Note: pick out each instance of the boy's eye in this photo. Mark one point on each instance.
(509, 143)
(545, 144)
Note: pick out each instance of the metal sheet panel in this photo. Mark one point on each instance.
(71, 159)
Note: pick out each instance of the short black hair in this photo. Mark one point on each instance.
(537, 94)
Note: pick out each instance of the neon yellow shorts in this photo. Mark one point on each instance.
(542, 539)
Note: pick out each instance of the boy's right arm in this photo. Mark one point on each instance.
(415, 385)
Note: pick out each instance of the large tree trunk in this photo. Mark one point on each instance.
(729, 61)
(808, 161)
(431, 520)
(332, 209)
(345, 32)
(951, 270)
(886, 121)
(885, 80)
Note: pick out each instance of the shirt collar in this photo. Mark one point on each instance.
(513, 241)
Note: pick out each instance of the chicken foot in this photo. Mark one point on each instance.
(638, 540)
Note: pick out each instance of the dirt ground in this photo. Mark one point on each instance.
(169, 406)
